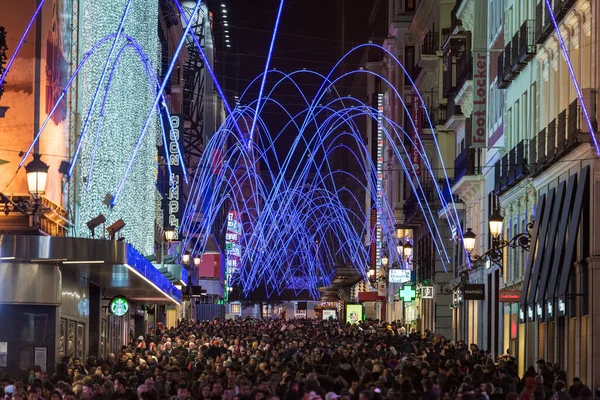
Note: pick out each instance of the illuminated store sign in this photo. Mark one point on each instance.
(407, 293)
(173, 201)
(399, 275)
(427, 292)
(415, 155)
(382, 288)
(119, 306)
(232, 237)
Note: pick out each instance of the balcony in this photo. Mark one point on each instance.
(453, 109)
(543, 21)
(430, 44)
(464, 69)
(508, 73)
(467, 163)
(562, 135)
(454, 114)
(454, 64)
(437, 115)
(577, 128)
(502, 84)
(517, 53)
(512, 168)
(562, 7)
(514, 57)
(527, 41)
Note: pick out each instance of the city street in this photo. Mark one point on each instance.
(299, 199)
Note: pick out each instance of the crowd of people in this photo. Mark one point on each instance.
(294, 360)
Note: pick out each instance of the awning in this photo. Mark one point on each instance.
(108, 264)
(553, 248)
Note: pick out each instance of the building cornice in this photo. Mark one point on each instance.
(466, 13)
(573, 160)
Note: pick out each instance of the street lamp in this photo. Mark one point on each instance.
(469, 240)
(196, 261)
(37, 176)
(494, 254)
(400, 232)
(169, 235)
(185, 258)
(495, 223)
(407, 249)
(384, 261)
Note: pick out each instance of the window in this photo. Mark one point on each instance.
(71, 340)
(235, 308)
(535, 121)
(63, 337)
(80, 333)
(103, 338)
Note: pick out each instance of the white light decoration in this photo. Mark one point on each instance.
(380, 166)
(127, 107)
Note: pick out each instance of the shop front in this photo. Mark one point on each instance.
(56, 293)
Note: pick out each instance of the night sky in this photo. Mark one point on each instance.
(309, 36)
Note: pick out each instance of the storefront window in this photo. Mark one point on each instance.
(71, 342)
(103, 339)
(80, 335)
(62, 339)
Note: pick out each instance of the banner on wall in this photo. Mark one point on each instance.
(415, 156)
(480, 69)
(329, 314)
(354, 313)
(173, 197)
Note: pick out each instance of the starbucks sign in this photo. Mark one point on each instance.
(119, 305)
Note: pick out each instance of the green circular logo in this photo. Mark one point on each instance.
(119, 306)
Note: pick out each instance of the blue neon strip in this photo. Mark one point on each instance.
(145, 268)
(95, 97)
(154, 84)
(565, 54)
(156, 101)
(86, 56)
(264, 79)
(297, 201)
(14, 56)
(209, 68)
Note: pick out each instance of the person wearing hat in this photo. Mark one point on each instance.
(10, 390)
(331, 396)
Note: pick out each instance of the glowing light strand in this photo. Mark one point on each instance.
(21, 41)
(264, 79)
(158, 97)
(97, 91)
(565, 54)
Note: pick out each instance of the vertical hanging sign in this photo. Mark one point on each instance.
(415, 156)
(381, 288)
(173, 198)
(480, 49)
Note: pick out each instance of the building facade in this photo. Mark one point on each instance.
(71, 231)
(537, 171)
